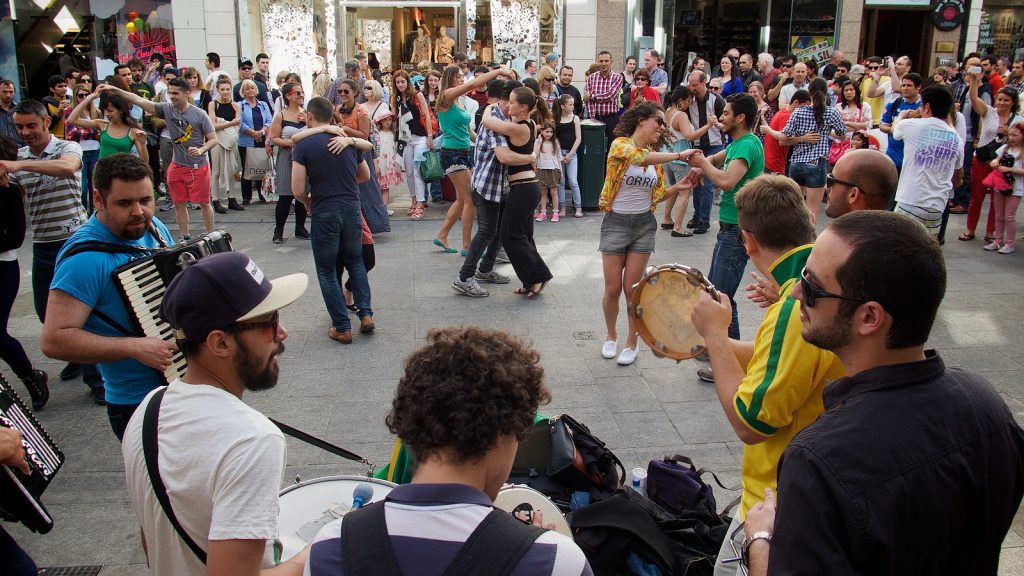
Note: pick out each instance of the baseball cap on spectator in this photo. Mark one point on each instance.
(244, 61)
(216, 291)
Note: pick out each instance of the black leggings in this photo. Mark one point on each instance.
(516, 233)
(284, 205)
(11, 350)
(369, 260)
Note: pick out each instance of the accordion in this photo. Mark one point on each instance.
(143, 282)
(20, 492)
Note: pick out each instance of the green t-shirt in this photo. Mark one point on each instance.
(454, 124)
(750, 149)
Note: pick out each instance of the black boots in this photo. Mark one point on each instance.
(234, 205)
(37, 388)
(218, 208)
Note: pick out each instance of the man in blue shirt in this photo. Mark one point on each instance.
(333, 202)
(910, 100)
(86, 320)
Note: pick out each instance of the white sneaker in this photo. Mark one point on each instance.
(627, 356)
(610, 349)
(1006, 249)
(991, 247)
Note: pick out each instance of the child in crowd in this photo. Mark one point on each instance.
(859, 141)
(549, 171)
(389, 169)
(1009, 161)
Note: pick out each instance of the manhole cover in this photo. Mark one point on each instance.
(71, 571)
(583, 335)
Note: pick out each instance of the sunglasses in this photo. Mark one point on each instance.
(296, 93)
(83, 95)
(272, 323)
(344, 91)
(873, 67)
(246, 69)
(367, 88)
(787, 65)
(831, 181)
(715, 88)
(812, 292)
(661, 121)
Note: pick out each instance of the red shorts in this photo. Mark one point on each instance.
(189, 184)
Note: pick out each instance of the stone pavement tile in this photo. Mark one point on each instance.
(102, 488)
(981, 359)
(1011, 561)
(123, 569)
(569, 398)
(91, 446)
(1010, 382)
(640, 429)
(358, 423)
(700, 421)
(627, 394)
(85, 534)
(678, 383)
(564, 371)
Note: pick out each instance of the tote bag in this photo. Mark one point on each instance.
(257, 164)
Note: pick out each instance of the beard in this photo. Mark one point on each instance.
(837, 206)
(833, 335)
(257, 374)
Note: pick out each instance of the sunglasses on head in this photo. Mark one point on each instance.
(811, 291)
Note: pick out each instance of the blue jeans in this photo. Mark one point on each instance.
(727, 265)
(488, 220)
(569, 174)
(435, 191)
(119, 415)
(338, 235)
(703, 194)
(89, 158)
(962, 195)
(18, 562)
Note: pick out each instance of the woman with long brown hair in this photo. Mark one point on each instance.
(355, 121)
(456, 155)
(285, 124)
(415, 130)
(633, 187)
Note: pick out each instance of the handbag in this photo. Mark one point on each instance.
(840, 148)
(257, 164)
(987, 153)
(675, 484)
(430, 167)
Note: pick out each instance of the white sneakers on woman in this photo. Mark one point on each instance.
(626, 357)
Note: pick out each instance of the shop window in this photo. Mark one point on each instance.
(806, 28)
(138, 30)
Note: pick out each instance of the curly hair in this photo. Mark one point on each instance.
(463, 390)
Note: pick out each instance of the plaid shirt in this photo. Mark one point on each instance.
(490, 178)
(802, 122)
(604, 93)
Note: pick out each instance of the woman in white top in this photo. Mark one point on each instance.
(994, 120)
(855, 114)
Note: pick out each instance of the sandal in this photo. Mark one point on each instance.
(966, 236)
(522, 290)
(531, 293)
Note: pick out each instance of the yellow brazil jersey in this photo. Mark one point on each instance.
(781, 392)
(877, 104)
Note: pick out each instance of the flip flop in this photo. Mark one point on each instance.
(443, 246)
(531, 293)
(966, 236)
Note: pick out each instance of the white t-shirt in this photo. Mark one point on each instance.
(221, 462)
(1018, 181)
(635, 192)
(211, 78)
(932, 150)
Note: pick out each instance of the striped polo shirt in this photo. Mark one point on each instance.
(55, 208)
(429, 523)
(781, 391)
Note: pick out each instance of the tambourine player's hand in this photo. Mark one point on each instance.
(711, 318)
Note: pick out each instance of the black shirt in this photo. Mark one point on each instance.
(912, 469)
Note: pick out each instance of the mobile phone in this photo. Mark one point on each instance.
(974, 70)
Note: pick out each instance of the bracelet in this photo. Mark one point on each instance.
(760, 535)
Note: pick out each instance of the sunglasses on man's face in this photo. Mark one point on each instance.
(787, 65)
(811, 291)
(716, 88)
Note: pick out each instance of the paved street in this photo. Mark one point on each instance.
(343, 392)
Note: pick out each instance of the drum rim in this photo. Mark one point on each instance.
(352, 477)
(696, 277)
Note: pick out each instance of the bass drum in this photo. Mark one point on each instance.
(523, 501)
(308, 506)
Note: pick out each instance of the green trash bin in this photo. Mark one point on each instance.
(593, 152)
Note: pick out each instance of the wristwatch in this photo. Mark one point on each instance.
(760, 535)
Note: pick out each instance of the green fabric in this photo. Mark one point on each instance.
(749, 148)
(110, 145)
(454, 123)
(404, 464)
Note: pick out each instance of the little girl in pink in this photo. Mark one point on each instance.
(389, 169)
(1005, 204)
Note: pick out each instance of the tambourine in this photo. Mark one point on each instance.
(661, 305)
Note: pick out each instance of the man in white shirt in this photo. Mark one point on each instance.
(219, 461)
(799, 83)
(932, 158)
(213, 65)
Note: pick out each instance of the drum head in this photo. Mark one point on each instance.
(662, 303)
(308, 506)
(522, 501)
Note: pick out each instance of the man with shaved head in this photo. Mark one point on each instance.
(861, 180)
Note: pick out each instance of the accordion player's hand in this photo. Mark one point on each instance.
(11, 452)
(155, 353)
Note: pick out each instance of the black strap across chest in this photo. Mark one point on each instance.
(495, 547)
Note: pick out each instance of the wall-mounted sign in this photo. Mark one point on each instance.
(948, 15)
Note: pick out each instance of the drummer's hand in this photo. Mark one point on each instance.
(762, 291)
(11, 452)
(709, 317)
(538, 521)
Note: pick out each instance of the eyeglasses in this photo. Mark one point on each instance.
(344, 91)
(246, 68)
(831, 181)
(715, 88)
(661, 121)
(367, 88)
(841, 71)
(272, 323)
(642, 79)
(83, 95)
(873, 67)
(787, 65)
(812, 292)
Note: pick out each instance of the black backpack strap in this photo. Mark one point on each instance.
(365, 542)
(151, 451)
(495, 547)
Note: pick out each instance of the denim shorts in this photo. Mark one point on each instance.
(626, 233)
(809, 174)
(456, 160)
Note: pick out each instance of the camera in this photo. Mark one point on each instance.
(974, 70)
(1007, 160)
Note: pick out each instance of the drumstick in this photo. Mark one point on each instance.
(322, 444)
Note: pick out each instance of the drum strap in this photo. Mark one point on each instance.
(151, 450)
(495, 546)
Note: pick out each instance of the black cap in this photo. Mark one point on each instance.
(509, 86)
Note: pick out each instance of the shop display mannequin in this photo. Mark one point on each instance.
(444, 47)
(421, 46)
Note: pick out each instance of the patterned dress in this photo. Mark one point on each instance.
(389, 173)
